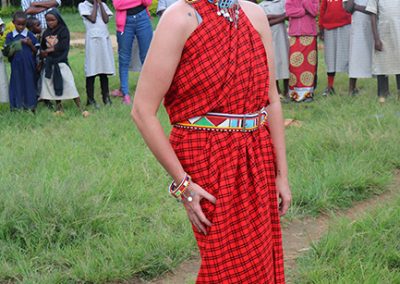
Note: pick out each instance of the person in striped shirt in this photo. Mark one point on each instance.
(39, 8)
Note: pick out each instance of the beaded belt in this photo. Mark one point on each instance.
(226, 122)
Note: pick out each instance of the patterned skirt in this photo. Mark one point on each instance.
(303, 67)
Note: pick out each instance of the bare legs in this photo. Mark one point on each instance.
(77, 101)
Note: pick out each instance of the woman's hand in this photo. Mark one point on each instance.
(193, 208)
(378, 45)
(27, 41)
(322, 35)
(43, 53)
(284, 194)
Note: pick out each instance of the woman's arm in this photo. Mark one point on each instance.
(46, 4)
(275, 116)
(311, 7)
(349, 6)
(93, 16)
(377, 39)
(294, 9)
(162, 59)
(276, 19)
(361, 9)
(104, 14)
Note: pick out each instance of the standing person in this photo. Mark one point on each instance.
(4, 97)
(303, 48)
(133, 21)
(335, 23)
(361, 43)
(57, 80)
(21, 46)
(162, 5)
(275, 11)
(99, 58)
(216, 76)
(385, 21)
(39, 8)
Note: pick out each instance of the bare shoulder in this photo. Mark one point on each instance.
(179, 20)
(255, 14)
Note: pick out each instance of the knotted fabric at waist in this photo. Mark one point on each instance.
(226, 122)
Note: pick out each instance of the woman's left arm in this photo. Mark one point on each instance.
(275, 116)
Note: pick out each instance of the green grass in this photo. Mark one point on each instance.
(84, 200)
(363, 251)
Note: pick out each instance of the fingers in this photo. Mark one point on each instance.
(201, 215)
(284, 205)
(195, 220)
(209, 197)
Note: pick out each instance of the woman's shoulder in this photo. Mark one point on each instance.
(179, 18)
(255, 14)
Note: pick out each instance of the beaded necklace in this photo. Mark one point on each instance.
(229, 9)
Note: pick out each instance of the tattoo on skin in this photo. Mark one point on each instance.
(189, 14)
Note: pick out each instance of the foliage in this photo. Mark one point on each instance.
(7, 12)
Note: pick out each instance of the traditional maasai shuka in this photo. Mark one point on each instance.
(303, 67)
(224, 69)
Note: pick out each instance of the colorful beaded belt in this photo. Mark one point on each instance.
(226, 122)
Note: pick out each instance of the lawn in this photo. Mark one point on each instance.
(364, 251)
(83, 200)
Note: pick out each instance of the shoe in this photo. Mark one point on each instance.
(328, 92)
(107, 100)
(284, 99)
(93, 103)
(308, 100)
(126, 100)
(355, 93)
(381, 100)
(117, 93)
(48, 104)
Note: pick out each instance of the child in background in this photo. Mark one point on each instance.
(386, 31)
(22, 58)
(33, 25)
(361, 43)
(99, 59)
(275, 12)
(57, 80)
(3, 74)
(303, 57)
(334, 22)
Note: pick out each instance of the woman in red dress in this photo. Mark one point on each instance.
(213, 66)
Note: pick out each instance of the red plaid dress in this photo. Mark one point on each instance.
(224, 69)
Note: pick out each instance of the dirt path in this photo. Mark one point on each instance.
(297, 237)
(78, 40)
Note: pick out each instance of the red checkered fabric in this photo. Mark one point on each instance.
(224, 69)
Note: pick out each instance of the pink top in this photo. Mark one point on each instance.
(120, 10)
(302, 14)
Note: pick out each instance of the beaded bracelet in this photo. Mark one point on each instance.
(178, 191)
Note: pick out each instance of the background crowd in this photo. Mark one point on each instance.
(361, 38)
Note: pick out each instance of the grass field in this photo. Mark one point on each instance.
(364, 251)
(83, 200)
